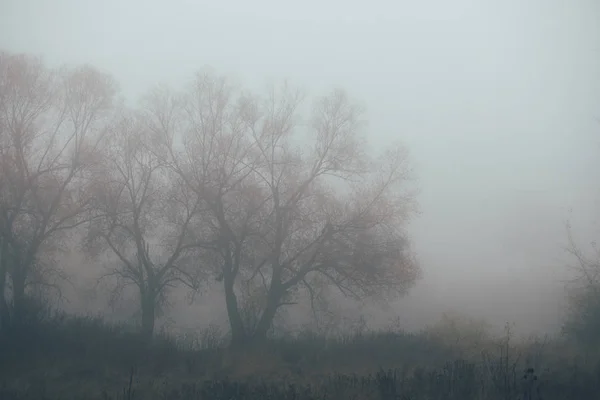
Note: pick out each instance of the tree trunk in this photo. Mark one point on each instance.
(238, 332)
(18, 277)
(266, 319)
(4, 314)
(148, 313)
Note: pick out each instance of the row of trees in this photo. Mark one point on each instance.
(209, 183)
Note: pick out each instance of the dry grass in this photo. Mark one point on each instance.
(75, 358)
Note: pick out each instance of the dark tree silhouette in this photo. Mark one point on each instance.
(294, 208)
(51, 122)
(583, 320)
(144, 216)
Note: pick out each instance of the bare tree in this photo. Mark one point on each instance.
(587, 266)
(145, 216)
(4, 311)
(295, 208)
(50, 125)
(583, 320)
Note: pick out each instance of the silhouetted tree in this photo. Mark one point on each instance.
(144, 215)
(293, 208)
(583, 319)
(50, 125)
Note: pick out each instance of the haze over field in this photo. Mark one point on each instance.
(497, 101)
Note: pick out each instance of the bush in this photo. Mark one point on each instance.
(468, 336)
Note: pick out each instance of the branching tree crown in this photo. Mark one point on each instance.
(296, 207)
(51, 122)
(144, 216)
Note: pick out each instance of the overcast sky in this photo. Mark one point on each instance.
(498, 101)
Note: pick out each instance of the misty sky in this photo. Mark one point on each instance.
(498, 101)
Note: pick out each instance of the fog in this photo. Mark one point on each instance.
(498, 102)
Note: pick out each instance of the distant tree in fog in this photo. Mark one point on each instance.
(51, 122)
(462, 332)
(292, 208)
(583, 319)
(143, 219)
(213, 179)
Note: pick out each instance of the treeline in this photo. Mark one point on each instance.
(211, 182)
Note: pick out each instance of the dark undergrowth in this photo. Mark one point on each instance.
(66, 357)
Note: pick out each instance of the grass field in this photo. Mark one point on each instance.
(85, 358)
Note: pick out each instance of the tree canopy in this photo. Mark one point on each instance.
(277, 205)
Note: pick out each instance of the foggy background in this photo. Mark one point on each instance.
(497, 101)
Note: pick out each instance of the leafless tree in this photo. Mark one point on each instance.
(587, 266)
(144, 219)
(296, 207)
(50, 125)
(583, 319)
